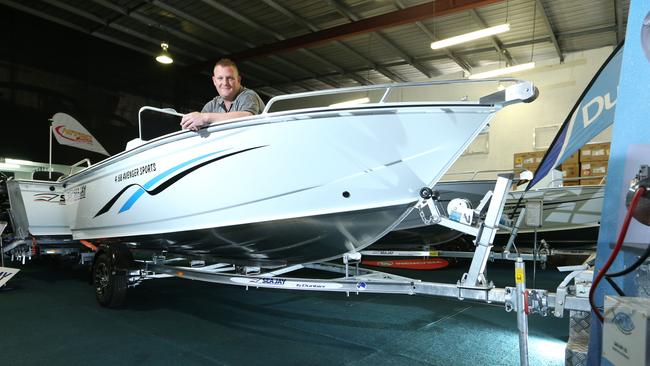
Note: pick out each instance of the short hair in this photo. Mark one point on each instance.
(226, 62)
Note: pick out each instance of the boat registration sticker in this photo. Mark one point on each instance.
(520, 277)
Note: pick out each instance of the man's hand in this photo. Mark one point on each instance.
(193, 121)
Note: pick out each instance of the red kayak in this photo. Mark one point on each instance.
(429, 263)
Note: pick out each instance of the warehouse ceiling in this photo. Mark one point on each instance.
(285, 46)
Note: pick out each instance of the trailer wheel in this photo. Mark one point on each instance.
(110, 286)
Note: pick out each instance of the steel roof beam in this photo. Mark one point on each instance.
(459, 61)
(522, 43)
(382, 38)
(76, 27)
(551, 33)
(372, 24)
(277, 35)
(146, 20)
(618, 18)
(495, 41)
(260, 28)
(289, 14)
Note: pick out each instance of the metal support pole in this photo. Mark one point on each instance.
(522, 310)
(50, 167)
(535, 252)
(3, 225)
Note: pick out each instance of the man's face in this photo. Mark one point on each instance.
(227, 82)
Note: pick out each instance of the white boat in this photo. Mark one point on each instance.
(283, 187)
(570, 216)
(37, 208)
(38, 223)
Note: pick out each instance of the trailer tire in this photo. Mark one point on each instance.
(110, 285)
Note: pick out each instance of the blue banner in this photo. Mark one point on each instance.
(593, 112)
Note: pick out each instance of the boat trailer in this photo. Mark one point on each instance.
(114, 270)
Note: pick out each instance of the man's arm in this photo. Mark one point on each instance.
(249, 104)
(196, 120)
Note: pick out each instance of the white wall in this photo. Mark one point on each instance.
(559, 85)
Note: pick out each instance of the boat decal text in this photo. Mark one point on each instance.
(284, 282)
(273, 281)
(173, 175)
(76, 193)
(145, 169)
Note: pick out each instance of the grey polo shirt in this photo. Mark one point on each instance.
(246, 101)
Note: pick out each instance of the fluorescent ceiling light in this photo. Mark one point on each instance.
(9, 166)
(18, 161)
(351, 102)
(505, 70)
(164, 57)
(485, 32)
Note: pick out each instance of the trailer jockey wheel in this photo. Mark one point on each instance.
(110, 285)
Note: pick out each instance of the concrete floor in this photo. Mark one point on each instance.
(50, 317)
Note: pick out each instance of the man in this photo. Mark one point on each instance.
(234, 100)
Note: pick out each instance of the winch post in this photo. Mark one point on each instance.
(476, 275)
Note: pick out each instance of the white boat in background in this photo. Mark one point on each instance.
(36, 217)
(279, 188)
(570, 216)
(37, 208)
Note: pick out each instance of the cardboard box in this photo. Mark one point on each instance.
(527, 160)
(595, 152)
(595, 169)
(569, 174)
(570, 170)
(518, 162)
(626, 331)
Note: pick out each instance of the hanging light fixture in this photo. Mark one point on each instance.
(164, 57)
(515, 68)
(503, 71)
(485, 32)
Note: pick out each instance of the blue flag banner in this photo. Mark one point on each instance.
(593, 113)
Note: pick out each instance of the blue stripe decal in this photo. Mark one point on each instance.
(137, 194)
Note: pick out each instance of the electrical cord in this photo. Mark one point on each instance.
(634, 266)
(619, 243)
(615, 286)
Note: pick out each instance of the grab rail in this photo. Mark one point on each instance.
(521, 91)
(86, 160)
(477, 172)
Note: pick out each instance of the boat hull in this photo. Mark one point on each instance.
(273, 189)
(273, 243)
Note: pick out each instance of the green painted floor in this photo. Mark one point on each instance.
(50, 317)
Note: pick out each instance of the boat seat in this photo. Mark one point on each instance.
(45, 175)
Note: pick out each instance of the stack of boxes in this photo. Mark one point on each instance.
(588, 166)
(571, 170)
(593, 163)
(528, 161)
